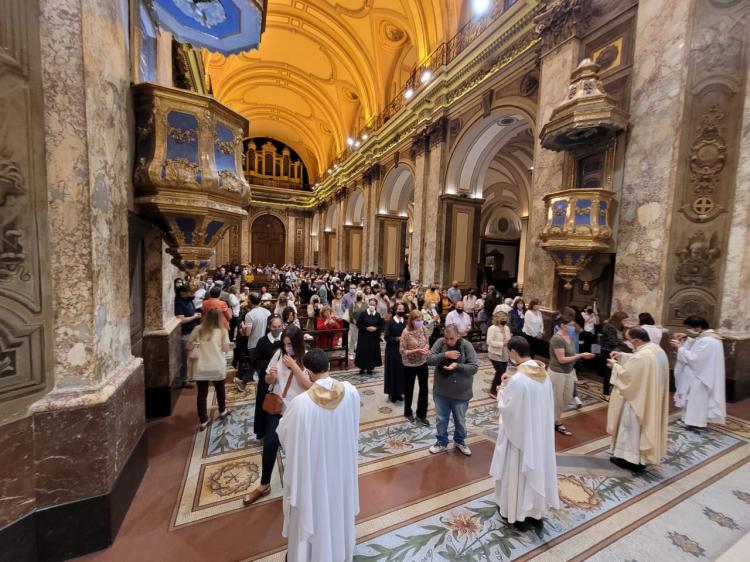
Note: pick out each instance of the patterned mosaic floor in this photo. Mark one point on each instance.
(225, 460)
(472, 530)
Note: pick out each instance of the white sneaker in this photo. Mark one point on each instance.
(577, 401)
(435, 449)
(464, 449)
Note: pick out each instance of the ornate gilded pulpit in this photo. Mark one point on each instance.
(188, 173)
(581, 214)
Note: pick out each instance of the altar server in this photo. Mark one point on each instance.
(523, 465)
(699, 374)
(319, 433)
(638, 413)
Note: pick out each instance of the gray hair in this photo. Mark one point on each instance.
(451, 330)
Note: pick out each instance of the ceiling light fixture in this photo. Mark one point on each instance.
(357, 144)
(365, 136)
(426, 76)
(329, 170)
(350, 141)
(480, 7)
(409, 93)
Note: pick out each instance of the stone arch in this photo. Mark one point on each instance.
(355, 207)
(397, 191)
(332, 218)
(480, 141)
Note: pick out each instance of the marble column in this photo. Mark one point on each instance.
(367, 224)
(83, 437)
(371, 238)
(522, 252)
(420, 198)
(539, 269)
(341, 235)
(656, 113)
(433, 221)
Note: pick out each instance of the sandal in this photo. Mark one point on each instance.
(224, 414)
(562, 429)
(203, 426)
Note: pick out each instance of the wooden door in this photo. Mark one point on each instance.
(268, 240)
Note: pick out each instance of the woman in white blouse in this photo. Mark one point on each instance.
(498, 336)
(533, 327)
(209, 341)
(287, 362)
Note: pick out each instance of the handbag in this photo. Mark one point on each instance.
(195, 352)
(273, 403)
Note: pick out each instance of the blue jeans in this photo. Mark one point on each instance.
(443, 408)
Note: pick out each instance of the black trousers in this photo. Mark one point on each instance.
(603, 370)
(270, 448)
(536, 345)
(500, 368)
(233, 323)
(410, 375)
(221, 397)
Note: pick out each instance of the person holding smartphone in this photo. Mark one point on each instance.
(286, 363)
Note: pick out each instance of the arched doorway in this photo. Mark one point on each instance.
(268, 240)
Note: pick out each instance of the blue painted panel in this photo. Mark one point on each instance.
(220, 18)
(213, 228)
(181, 148)
(583, 218)
(224, 161)
(558, 219)
(186, 226)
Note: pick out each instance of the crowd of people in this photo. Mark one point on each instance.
(286, 341)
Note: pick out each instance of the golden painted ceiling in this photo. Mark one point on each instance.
(325, 67)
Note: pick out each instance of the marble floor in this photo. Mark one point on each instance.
(415, 506)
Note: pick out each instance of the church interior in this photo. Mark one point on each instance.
(557, 152)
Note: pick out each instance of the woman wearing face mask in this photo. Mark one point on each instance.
(289, 318)
(264, 352)
(515, 317)
(414, 348)
(326, 322)
(357, 308)
(394, 368)
(369, 325)
(498, 336)
(285, 363)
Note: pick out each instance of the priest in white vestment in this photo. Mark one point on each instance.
(638, 415)
(319, 433)
(699, 374)
(524, 466)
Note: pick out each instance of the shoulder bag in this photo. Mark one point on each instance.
(273, 403)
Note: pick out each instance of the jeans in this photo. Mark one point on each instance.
(270, 448)
(443, 408)
(410, 375)
(563, 385)
(203, 396)
(500, 368)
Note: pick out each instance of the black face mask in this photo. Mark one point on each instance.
(503, 322)
(401, 313)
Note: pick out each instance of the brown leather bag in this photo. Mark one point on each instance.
(273, 403)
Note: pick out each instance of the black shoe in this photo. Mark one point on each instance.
(424, 421)
(409, 417)
(399, 398)
(536, 523)
(369, 373)
(361, 371)
(521, 526)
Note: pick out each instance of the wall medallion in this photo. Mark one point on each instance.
(529, 85)
(708, 153)
(696, 259)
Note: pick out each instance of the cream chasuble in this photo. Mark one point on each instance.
(638, 413)
(699, 378)
(319, 433)
(524, 466)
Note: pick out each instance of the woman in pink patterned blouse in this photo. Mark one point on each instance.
(414, 347)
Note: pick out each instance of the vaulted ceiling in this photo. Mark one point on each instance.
(325, 67)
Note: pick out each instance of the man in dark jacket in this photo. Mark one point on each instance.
(455, 363)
